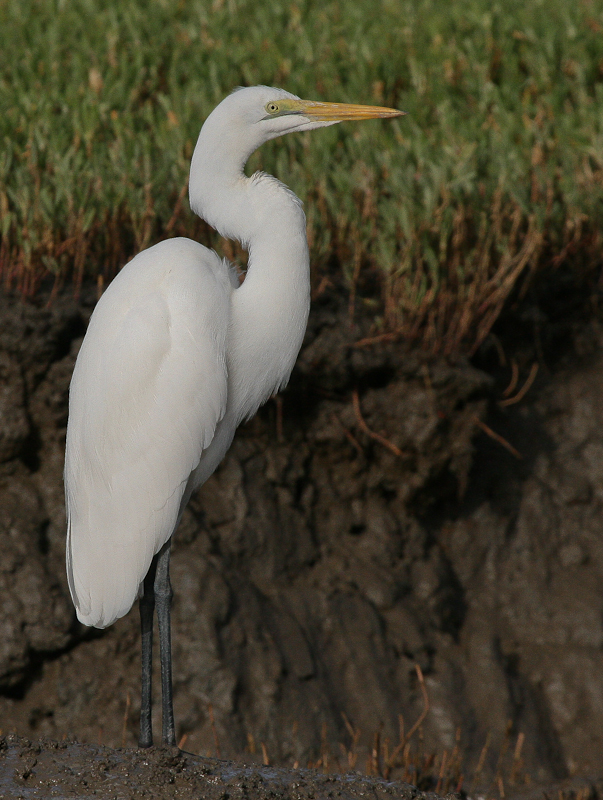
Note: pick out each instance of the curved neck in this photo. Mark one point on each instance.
(269, 311)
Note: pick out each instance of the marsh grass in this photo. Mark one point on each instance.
(430, 221)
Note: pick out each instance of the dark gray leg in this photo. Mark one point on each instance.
(163, 600)
(146, 607)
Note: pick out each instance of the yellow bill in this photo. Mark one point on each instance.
(339, 112)
(327, 112)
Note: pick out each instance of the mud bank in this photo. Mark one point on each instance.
(51, 769)
(321, 564)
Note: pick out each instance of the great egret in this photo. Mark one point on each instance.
(176, 355)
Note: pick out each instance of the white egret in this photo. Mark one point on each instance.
(176, 355)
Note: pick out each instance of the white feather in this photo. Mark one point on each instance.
(148, 390)
(177, 353)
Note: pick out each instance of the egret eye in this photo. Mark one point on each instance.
(272, 108)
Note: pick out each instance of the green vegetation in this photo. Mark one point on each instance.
(430, 220)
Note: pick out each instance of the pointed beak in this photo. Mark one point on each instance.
(340, 112)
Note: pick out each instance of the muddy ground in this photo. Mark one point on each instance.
(46, 769)
(318, 567)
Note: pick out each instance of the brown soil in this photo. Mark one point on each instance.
(317, 568)
(53, 769)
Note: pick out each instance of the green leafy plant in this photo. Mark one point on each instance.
(430, 220)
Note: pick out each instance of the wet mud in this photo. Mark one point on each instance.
(364, 524)
(51, 769)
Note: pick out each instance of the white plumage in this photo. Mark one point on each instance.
(177, 353)
(148, 390)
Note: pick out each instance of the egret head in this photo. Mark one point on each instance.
(251, 116)
(291, 113)
(240, 124)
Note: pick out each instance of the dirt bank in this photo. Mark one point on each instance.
(320, 564)
(43, 769)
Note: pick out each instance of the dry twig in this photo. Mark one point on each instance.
(442, 772)
(514, 378)
(382, 337)
(517, 760)
(351, 439)
(362, 424)
(351, 754)
(405, 738)
(481, 762)
(497, 437)
(521, 393)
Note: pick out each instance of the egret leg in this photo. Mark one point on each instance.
(163, 600)
(146, 607)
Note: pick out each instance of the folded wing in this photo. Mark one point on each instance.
(148, 390)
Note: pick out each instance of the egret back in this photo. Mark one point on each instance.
(148, 390)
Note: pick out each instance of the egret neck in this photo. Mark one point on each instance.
(270, 309)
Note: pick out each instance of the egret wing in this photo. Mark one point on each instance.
(148, 390)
